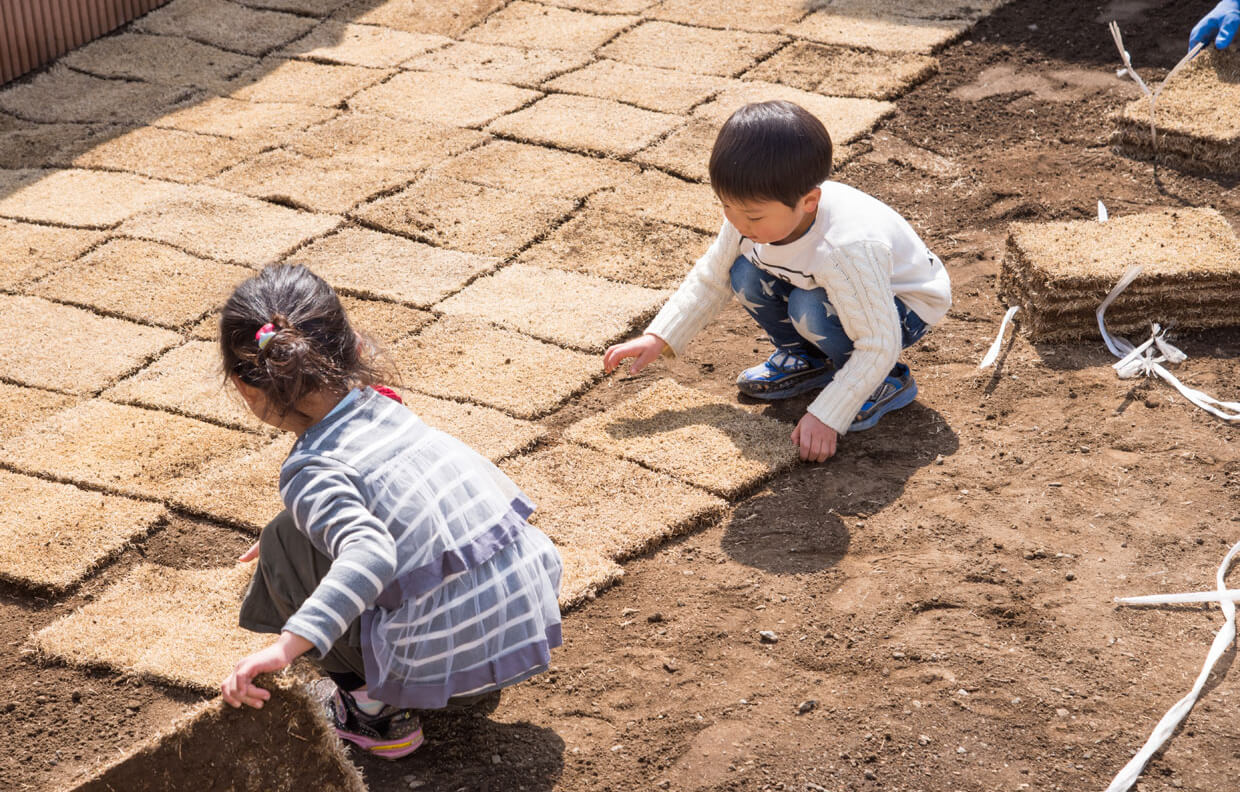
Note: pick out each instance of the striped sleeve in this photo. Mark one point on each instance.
(327, 505)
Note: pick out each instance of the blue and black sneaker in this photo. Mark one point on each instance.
(898, 390)
(784, 374)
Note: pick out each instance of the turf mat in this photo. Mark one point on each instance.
(585, 123)
(666, 45)
(418, 96)
(537, 26)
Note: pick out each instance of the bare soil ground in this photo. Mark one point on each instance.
(940, 590)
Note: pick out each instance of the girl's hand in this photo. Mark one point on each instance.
(816, 439)
(239, 687)
(249, 555)
(643, 350)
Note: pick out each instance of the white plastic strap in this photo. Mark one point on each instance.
(1182, 599)
(993, 353)
(1102, 212)
(1145, 89)
(1225, 636)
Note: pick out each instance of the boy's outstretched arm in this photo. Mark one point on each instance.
(642, 350)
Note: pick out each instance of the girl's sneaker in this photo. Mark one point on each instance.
(898, 390)
(783, 375)
(392, 733)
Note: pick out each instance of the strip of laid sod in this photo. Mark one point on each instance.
(234, 748)
(143, 281)
(903, 26)
(587, 573)
(384, 323)
(361, 45)
(188, 381)
(657, 196)
(489, 432)
(666, 45)
(53, 535)
(123, 449)
(176, 626)
(167, 153)
(419, 16)
(320, 184)
(20, 407)
(67, 349)
(523, 24)
(375, 139)
(228, 227)
(1198, 128)
(61, 94)
(271, 122)
(29, 251)
(685, 152)
(303, 82)
(692, 436)
(29, 145)
(841, 71)
(55, 196)
(418, 96)
(588, 499)
(664, 90)
(499, 63)
(765, 17)
(602, 243)
(519, 166)
(604, 6)
(469, 217)
(318, 8)
(168, 60)
(493, 367)
(382, 266)
(585, 123)
(241, 489)
(224, 24)
(566, 308)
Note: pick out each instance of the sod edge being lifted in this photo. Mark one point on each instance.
(1060, 272)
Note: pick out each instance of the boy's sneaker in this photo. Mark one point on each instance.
(392, 733)
(783, 375)
(898, 390)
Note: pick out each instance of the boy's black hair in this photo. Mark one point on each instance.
(770, 151)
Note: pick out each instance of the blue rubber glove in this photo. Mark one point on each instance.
(1221, 25)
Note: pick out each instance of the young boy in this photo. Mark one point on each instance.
(838, 280)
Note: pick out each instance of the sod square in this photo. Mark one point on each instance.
(626, 248)
(303, 82)
(382, 266)
(226, 25)
(375, 139)
(55, 196)
(588, 499)
(124, 449)
(499, 63)
(489, 432)
(420, 16)
(845, 118)
(69, 349)
(53, 535)
(419, 96)
(319, 8)
(241, 489)
(188, 381)
(587, 573)
(328, 184)
(565, 308)
(270, 122)
(685, 152)
(879, 31)
(654, 89)
(29, 145)
(666, 45)
(207, 329)
(30, 251)
(766, 17)
(522, 24)
(465, 360)
(469, 217)
(63, 95)
(143, 281)
(361, 45)
(228, 227)
(20, 407)
(168, 60)
(538, 169)
(585, 123)
(692, 436)
(604, 6)
(385, 323)
(167, 153)
(177, 626)
(840, 71)
(657, 196)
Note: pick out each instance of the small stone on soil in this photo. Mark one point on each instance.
(806, 706)
(767, 637)
(670, 666)
(655, 617)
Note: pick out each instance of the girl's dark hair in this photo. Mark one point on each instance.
(770, 151)
(314, 347)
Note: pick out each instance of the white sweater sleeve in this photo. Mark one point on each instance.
(858, 279)
(705, 291)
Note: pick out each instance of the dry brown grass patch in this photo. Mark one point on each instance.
(167, 153)
(587, 573)
(385, 323)
(187, 381)
(845, 118)
(654, 89)
(30, 145)
(585, 123)
(525, 24)
(499, 63)
(322, 184)
(170, 60)
(657, 196)
(20, 407)
(765, 17)
(487, 431)
(224, 24)
(604, 6)
(420, 96)
(361, 45)
(378, 140)
(241, 489)
(420, 16)
(55, 196)
(692, 436)
(519, 166)
(840, 71)
(319, 8)
(685, 152)
(670, 46)
(303, 82)
(29, 251)
(61, 94)
(266, 121)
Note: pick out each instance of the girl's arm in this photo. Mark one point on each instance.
(239, 687)
(703, 294)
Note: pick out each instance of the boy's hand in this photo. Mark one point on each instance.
(239, 688)
(643, 350)
(816, 439)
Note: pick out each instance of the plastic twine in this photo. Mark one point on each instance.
(993, 352)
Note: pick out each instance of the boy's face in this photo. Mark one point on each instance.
(772, 222)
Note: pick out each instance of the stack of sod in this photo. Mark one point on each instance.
(1061, 272)
(1198, 126)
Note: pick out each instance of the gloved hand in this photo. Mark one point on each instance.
(1221, 25)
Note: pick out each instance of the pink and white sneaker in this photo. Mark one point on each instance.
(391, 734)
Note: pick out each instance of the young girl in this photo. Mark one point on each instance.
(403, 559)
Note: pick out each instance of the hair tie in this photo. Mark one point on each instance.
(265, 334)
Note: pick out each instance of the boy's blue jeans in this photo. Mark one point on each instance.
(803, 320)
